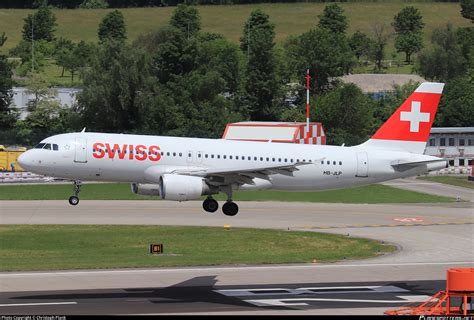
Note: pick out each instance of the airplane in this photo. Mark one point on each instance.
(181, 169)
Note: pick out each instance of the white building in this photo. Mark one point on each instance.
(21, 96)
(454, 144)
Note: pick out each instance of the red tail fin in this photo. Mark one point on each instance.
(412, 121)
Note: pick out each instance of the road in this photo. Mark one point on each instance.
(431, 239)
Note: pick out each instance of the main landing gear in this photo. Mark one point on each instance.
(210, 205)
(229, 208)
(74, 199)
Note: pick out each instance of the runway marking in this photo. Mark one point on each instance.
(213, 269)
(36, 304)
(309, 290)
(389, 225)
(302, 301)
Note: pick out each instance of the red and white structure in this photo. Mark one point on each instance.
(286, 132)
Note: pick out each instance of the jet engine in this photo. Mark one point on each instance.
(146, 189)
(181, 188)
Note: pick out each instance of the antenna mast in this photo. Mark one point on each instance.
(308, 78)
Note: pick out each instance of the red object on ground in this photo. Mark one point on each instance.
(457, 299)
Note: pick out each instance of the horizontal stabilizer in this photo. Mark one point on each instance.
(407, 163)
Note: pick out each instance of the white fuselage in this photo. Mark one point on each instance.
(328, 167)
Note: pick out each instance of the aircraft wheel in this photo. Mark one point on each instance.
(73, 200)
(230, 208)
(210, 205)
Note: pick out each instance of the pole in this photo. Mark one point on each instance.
(308, 78)
(32, 43)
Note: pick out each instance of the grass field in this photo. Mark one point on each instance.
(289, 19)
(369, 194)
(45, 247)
(455, 181)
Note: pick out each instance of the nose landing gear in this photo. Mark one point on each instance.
(74, 199)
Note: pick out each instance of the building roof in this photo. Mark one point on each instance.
(453, 130)
(372, 83)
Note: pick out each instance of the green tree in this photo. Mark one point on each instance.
(360, 44)
(346, 113)
(40, 26)
(327, 54)
(220, 55)
(378, 44)
(445, 60)
(94, 4)
(174, 54)
(112, 27)
(408, 25)
(186, 18)
(456, 107)
(62, 50)
(7, 114)
(112, 85)
(261, 79)
(333, 18)
(467, 9)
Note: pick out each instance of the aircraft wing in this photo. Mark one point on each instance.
(243, 175)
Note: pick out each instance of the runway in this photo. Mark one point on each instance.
(431, 239)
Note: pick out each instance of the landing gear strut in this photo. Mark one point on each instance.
(74, 199)
(229, 208)
(210, 205)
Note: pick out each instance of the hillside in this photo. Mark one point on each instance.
(289, 19)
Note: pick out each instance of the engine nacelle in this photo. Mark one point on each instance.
(181, 188)
(146, 189)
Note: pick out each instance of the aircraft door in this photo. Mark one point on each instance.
(80, 153)
(362, 165)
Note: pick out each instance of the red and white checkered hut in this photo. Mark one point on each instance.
(284, 132)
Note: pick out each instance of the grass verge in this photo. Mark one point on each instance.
(47, 247)
(455, 181)
(289, 19)
(119, 191)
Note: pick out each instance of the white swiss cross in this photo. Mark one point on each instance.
(415, 116)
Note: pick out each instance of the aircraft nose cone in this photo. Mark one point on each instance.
(25, 160)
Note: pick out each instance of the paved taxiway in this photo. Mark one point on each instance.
(432, 238)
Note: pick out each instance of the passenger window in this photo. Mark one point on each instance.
(268, 159)
(329, 162)
(168, 154)
(205, 156)
(180, 154)
(340, 163)
(334, 162)
(218, 156)
(224, 156)
(212, 156)
(273, 159)
(249, 158)
(261, 158)
(286, 160)
(279, 159)
(230, 157)
(174, 154)
(322, 162)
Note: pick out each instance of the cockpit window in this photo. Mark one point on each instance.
(40, 146)
(55, 147)
(47, 146)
